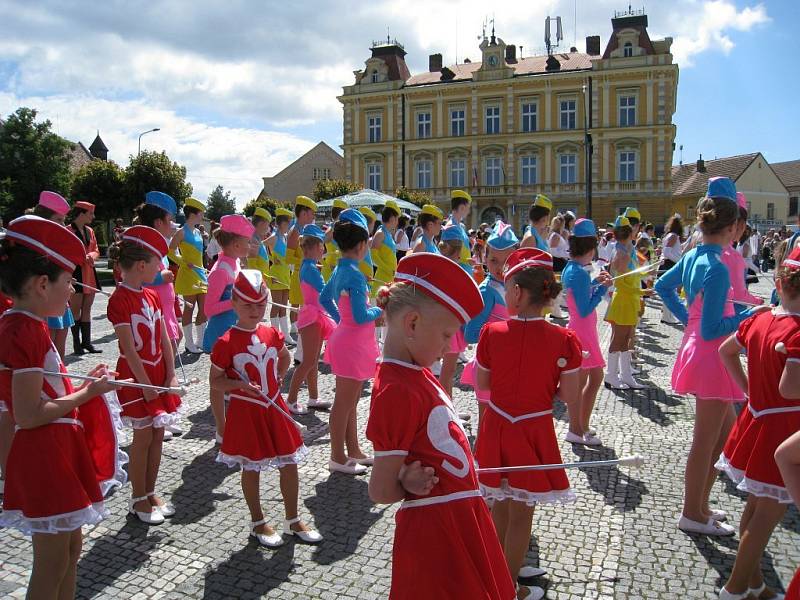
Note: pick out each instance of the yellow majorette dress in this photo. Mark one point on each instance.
(385, 258)
(624, 307)
(279, 268)
(330, 259)
(260, 262)
(295, 258)
(190, 281)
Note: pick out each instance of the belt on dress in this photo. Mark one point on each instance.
(263, 403)
(60, 421)
(440, 499)
(512, 419)
(772, 411)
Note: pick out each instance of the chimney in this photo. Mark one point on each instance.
(593, 45)
(511, 53)
(573, 50)
(435, 63)
(701, 165)
(552, 64)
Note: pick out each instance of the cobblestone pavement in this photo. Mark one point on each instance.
(618, 541)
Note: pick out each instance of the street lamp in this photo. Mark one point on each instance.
(587, 142)
(140, 138)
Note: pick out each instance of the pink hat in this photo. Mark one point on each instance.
(54, 202)
(741, 200)
(237, 224)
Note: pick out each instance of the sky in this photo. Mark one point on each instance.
(241, 88)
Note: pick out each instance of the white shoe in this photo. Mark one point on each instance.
(711, 527)
(318, 404)
(173, 429)
(270, 541)
(167, 434)
(534, 593)
(726, 595)
(298, 409)
(188, 339)
(154, 517)
(167, 509)
(351, 467)
(591, 431)
(367, 461)
(309, 537)
(719, 515)
(528, 572)
(591, 440)
(756, 592)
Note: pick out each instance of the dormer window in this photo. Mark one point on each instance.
(627, 50)
(375, 75)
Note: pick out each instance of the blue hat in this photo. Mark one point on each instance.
(314, 231)
(452, 232)
(622, 221)
(161, 200)
(584, 228)
(351, 215)
(502, 237)
(721, 187)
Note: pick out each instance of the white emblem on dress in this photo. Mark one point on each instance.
(258, 355)
(439, 435)
(151, 319)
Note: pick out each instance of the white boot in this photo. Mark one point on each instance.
(201, 332)
(626, 375)
(285, 329)
(668, 317)
(275, 323)
(612, 371)
(188, 339)
(379, 334)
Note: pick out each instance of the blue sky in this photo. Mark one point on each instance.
(241, 88)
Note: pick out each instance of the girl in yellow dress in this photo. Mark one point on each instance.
(332, 253)
(384, 248)
(258, 258)
(191, 281)
(304, 213)
(279, 273)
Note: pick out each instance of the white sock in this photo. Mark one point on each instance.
(298, 351)
(275, 322)
(612, 370)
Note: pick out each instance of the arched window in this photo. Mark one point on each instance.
(492, 214)
(627, 49)
(375, 75)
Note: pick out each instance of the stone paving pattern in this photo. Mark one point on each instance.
(618, 541)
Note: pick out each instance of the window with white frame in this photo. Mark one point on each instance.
(528, 116)
(321, 173)
(375, 76)
(627, 110)
(458, 172)
(527, 169)
(568, 168)
(627, 50)
(423, 124)
(494, 170)
(457, 121)
(424, 170)
(627, 165)
(492, 118)
(374, 175)
(568, 112)
(374, 128)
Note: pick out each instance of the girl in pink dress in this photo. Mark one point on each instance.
(698, 369)
(772, 342)
(737, 267)
(314, 325)
(583, 296)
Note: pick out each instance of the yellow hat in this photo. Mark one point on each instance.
(632, 213)
(284, 212)
(195, 203)
(543, 201)
(263, 213)
(339, 203)
(305, 201)
(622, 221)
(367, 212)
(460, 194)
(432, 209)
(393, 205)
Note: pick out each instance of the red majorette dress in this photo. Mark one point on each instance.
(257, 436)
(5, 304)
(56, 473)
(445, 544)
(140, 310)
(748, 457)
(526, 358)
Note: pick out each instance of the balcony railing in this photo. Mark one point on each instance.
(620, 188)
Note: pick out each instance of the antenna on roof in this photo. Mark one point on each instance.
(559, 34)
(681, 148)
(482, 36)
(387, 35)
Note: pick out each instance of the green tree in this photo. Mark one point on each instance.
(32, 159)
(418, 198)
(220, 203)
(102, 183)
(264, 201)
(154, 171)
(333, 188)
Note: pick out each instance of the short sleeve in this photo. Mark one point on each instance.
(27, 350)
(572, 353)
(117, 310)
(793, 348)
(483, 354)
(277, 339)
(743, 332)
(394, 420)
(220, 354)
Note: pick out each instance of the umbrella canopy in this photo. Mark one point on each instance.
(372, 199)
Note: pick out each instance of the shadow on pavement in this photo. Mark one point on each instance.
(647, 403)
(617, 487)
(195, 496)
(251, 572)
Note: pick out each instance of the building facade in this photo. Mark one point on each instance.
(789, 174)
(508, 127)
(300, 177)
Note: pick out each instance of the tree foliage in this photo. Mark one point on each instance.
(32, 159)
(154, 171)
(418, 198)
(103, 184)
(264, 201)
(333, 188)
(220, 203)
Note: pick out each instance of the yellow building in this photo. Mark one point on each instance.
(508, 128)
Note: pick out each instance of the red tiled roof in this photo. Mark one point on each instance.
(788, 172)
(531, 65)
(686, 181)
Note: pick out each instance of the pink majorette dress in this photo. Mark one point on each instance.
(56, 473)
(445, 544)
(140, 311)
(257, 436)
(311, 311)
(526, 358)
(748, 457)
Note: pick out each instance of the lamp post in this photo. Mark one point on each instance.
(140, 138)
(587, 142)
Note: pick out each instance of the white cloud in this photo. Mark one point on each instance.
(235, 158)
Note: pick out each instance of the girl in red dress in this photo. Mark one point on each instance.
(146, 356)
(445, 545)
(247, 364)
(788, 458)
(51, 487)
(524, 362)
(772, 342)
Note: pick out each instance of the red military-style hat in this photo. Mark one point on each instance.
(250, 286)
(444, 281)
(792, 261)
(82, 204)
(526, 258)
(148, 238)
(48, 238)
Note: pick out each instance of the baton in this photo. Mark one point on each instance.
(300, 427)
(180, 391)
(634, 461)
(88, 287)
